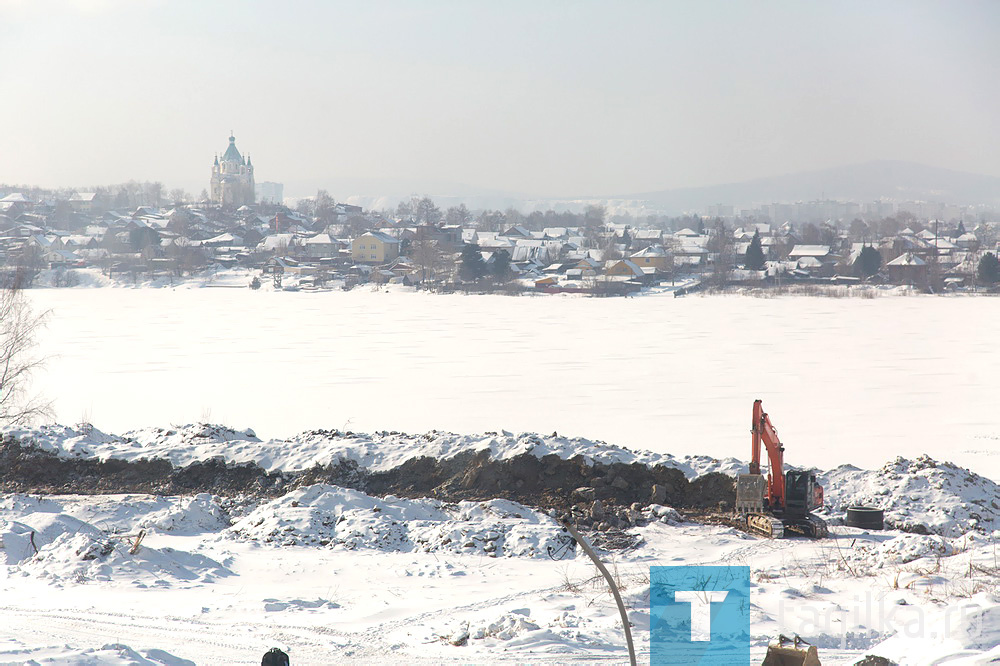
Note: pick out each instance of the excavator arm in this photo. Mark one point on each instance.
(763, 431)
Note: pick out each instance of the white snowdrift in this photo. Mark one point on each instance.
(921, 495)
(185, 444)
(965, 634)
(38, 539)
(114, 654)
(330, 516)
(90, 555)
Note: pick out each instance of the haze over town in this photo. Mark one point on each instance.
(536, 100)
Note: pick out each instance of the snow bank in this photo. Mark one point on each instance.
(966, 634)
(330, 516)
(90, 555)
(379, 451)
(125, 512)
(919, 495)
(187, 515)
(40, 537)
(114, 654)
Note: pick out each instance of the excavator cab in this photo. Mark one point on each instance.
(800, 493)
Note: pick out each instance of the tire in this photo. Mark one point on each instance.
(865, 518)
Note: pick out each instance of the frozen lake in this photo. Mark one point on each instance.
(845, 380)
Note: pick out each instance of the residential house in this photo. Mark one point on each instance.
(643, 238)
(321, 246)
(623, 269)
(908, 268)
(817, 259)
(653, 256)
(374, 247)
(587, 266)
(516, 231)
(56, 258)
(83, 201)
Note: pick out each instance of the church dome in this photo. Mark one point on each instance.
(232, 155)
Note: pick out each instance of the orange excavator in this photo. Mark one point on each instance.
(783, 501)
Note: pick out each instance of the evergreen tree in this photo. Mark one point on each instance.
(989, 269)
(471, 265)
(869, 261)
(755, 254)
(501, 266)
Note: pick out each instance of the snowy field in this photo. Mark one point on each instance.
(336, 576)
(846, 380)
(333, 575)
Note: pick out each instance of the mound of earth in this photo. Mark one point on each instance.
(922, 495)
(551, 481)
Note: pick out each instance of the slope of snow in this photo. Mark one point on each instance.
(333, 575)
(378, 451)
(330, 516)
(112, 654)
(921, 495)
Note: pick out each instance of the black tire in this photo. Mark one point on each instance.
(865, 518)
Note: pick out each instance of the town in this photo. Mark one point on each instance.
(138, 232)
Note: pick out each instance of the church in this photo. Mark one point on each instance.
(232, 178)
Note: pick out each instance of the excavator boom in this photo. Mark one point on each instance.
(765, 433)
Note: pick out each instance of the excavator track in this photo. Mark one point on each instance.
(765, 525)
(816, 527)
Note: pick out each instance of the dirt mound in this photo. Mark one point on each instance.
(567, 485)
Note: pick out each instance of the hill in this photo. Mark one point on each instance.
(894, 180)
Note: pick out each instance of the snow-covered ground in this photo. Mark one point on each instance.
(859, 387)
(334, 575)
(855, 381)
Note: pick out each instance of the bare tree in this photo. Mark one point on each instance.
(721, 246)
(427, 256)
(18, 326)
(178, 196)
(459, 215)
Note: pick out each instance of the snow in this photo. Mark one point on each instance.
(919, 495)
(845, 380)
(334, 517)
(196, 442)
(335, 575)
(331, 573)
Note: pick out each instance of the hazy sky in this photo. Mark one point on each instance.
(545, 98)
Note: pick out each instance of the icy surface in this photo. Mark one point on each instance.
(843, 379)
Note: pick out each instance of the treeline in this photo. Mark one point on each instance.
(120, 196)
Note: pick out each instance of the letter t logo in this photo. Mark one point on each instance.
(701, 610)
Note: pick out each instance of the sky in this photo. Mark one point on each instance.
(538, 98)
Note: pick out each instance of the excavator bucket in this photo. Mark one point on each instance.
(788, 655)
(750, 493)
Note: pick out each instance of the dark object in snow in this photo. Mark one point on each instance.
(865, 517)
(873, 660)
(274, 657)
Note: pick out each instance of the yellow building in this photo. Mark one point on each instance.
(623, 268)
(653, 256)
(374, 247)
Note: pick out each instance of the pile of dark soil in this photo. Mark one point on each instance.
(596, 494)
